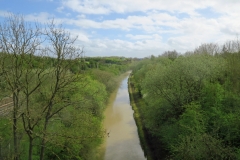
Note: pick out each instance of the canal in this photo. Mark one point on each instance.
(122, 141)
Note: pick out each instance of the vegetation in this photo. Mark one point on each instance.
(187, 105)
(191, 102)
(137, 103)
(58, 95)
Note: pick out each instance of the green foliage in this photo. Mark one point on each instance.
(201, 147)
(106, 78)
(76, 131)
(192, 104)
(115, 65)
(58, 105)
(233, 71)
(5, 138)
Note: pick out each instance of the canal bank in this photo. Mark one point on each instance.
(152, 145)
(136, 102)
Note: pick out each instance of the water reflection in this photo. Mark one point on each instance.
(122, 142)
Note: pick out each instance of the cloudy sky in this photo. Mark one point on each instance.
(135, 28)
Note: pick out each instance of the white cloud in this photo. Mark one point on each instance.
(81, 16)
(136, 37)
(101, 45)
(143, 37)
(144, 27)
(81, 36)
(89, 7)
(42, 17)
(4, 13)
(183, 34)
(124, 6)
(119, 47)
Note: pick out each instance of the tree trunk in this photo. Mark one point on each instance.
(43, 139)
(15, 139)
(30, 149)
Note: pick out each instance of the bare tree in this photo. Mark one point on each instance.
(208, 48)
(62, 47)
(19, 41)
(171, 54)
(231, 46)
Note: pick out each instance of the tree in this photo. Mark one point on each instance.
(62, 48)
(171, 54)
(208, 48)
(76, 131)
(26, 81)
(106, 78)
(19, 42)
(181, 82)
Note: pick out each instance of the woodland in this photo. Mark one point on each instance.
(189, 104)
(58, 94)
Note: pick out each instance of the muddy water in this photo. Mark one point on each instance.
(122, 141)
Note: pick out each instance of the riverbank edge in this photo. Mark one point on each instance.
(135, 102)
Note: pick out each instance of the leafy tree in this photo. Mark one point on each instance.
(106, 78)
(181, 82)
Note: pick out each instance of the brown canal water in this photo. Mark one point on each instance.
(122, 141)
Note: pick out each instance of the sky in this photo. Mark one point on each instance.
(135, 28)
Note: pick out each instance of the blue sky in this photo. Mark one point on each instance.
(136, 28)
